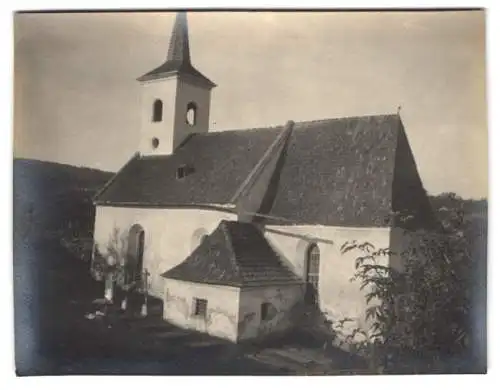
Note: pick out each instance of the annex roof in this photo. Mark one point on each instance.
(235, 254)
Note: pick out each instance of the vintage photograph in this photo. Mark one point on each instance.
(250, 193)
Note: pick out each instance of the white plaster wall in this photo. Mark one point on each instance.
(338, 296)
(222, 308)
(168, 234)
(283, 299)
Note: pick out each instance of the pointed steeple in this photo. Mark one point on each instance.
(178, 60)
(178, 49)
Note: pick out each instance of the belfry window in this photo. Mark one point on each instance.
(157, 111)
(191, 114)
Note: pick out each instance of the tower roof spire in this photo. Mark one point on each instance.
(178, 49)
(178, 60)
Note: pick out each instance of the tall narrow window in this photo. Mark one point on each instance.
(157, 111)
(312, 272)
(191, 114)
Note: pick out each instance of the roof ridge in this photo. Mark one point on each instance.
(242, 130)
(263, 161)
(304, 122)
(313, 121)
(225, 230)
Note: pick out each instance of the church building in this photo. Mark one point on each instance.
(238, 228)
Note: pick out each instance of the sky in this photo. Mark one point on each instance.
(77, 101)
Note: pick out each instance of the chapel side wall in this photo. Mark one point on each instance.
(222, 308)
(338, 296)
(168, 234)
(282, 299)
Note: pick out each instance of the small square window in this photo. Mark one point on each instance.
(200, 307)
(265, 311)
(183, 171)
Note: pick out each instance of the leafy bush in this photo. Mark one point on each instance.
(425, 309)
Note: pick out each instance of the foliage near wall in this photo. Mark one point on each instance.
(433, 307)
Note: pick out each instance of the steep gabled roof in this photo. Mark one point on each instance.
(218, 162)
(355, 172)
(338, 172)
(235, 254)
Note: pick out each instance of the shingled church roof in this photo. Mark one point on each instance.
(217, 163)
(339, 172)
(343, 172)
(235, 254)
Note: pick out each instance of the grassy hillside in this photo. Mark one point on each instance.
(54, 198)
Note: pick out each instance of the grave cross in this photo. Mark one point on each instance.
(144, 308)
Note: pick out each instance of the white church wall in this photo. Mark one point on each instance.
(281, 300)
(338, 296)
(168, 233)
(221, 317)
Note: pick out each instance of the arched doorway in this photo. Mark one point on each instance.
(135, 254)
(312, 274)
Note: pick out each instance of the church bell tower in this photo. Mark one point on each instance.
(175, 97)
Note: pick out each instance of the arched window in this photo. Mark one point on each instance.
(312, 273)
(157, 110)
(191, 114)
(198, 237)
